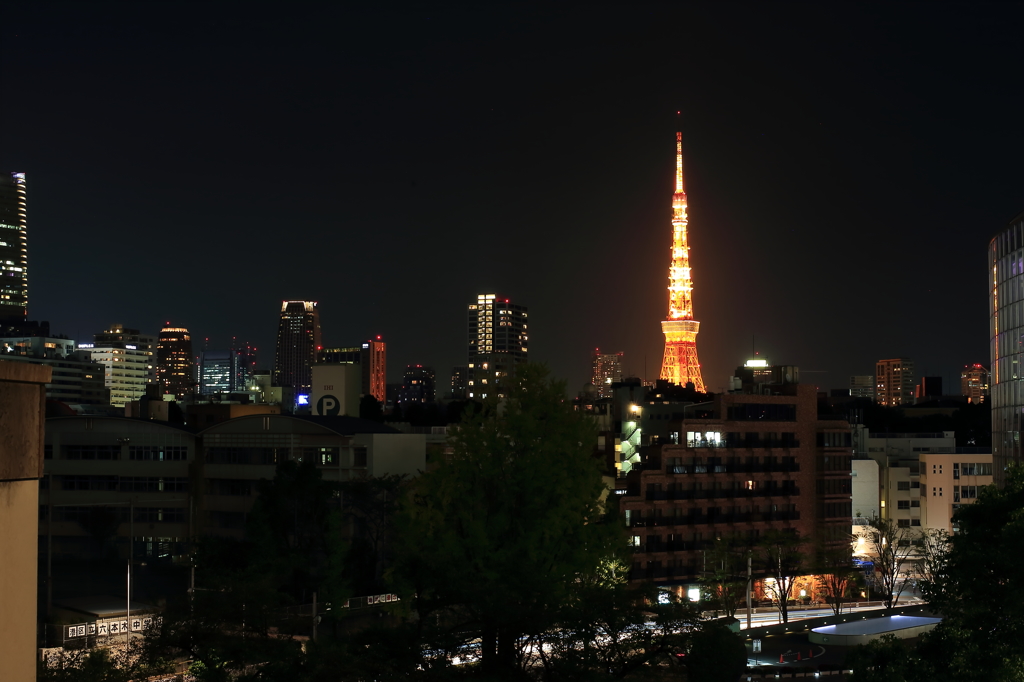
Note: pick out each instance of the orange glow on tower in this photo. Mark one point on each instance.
(680, 364)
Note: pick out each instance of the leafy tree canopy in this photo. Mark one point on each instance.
(501, 531)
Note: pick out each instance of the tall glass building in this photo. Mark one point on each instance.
(217, 372)
(13, 247)
(498, 342)
(298, 340)
(174, 361)
(1006, 331)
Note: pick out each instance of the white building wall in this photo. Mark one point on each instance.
(393, 453)
(865, 488)
(335, 389)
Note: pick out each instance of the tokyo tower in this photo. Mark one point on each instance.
(680, 365)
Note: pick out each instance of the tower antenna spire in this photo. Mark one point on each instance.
(679, 152)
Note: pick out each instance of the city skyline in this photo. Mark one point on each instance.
(842, 197)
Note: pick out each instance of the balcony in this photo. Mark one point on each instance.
(662, 573)
(736, 493)
(733, 468)
(705, 519)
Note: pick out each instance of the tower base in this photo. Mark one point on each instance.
(680, 365)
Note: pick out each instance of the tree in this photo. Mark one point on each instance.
(609, 629)
(780, 558)
(370, 504)
(980, 588)
(370, 408)
(890, 546)
(835, 574)
(724, 579)
(716, 654)
(97, 665)
(288, 529)
(933, 546)
(885, 659)
(234, 625)
(493, 539)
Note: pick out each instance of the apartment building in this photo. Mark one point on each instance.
(749, 461)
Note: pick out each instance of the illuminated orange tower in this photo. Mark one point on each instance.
(680, 365)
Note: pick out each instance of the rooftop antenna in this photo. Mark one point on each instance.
(679, 152)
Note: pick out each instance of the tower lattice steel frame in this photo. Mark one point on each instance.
(680, 364)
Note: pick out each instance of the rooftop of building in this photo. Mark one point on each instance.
(177, 426)
(346, 426)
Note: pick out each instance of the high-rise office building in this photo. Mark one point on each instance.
(930, 388)
(217, 372)
(244, 364)
(460, 382)
(418, 385)
(1006, 328)
(174, 361)
(607, 370)
(298, 340)
(13, 248)
(372, 356)
(680, 364)
(974, 382)
(375, 363)
(863, 386)
(127, 359)
(498, 342)
(894, 382)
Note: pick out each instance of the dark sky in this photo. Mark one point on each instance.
(846, 165)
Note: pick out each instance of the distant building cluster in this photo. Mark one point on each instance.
(174, 435)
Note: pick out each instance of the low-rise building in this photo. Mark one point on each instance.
(113, 478)
(949, 480)
(750, 461)
(75, 378)
(128, 360)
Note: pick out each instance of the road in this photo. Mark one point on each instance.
(793, 649)
(772, 617)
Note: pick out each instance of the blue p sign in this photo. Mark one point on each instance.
(328, 406)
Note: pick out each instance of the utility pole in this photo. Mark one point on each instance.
(315, 616)
(49, 546)
(128, 611)
(750, 584)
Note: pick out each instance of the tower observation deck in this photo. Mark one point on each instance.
(680, 364)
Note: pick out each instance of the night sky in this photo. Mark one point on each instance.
(846, 166)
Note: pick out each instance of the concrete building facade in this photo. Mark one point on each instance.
(739, 466)
(894, 382)
(161, 484)
(919, 478)
(127, 356)
(948, 481)
(75, 379)
(22, 409)
(498, 341)
(862, 386)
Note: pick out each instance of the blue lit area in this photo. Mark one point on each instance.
(215, 372)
